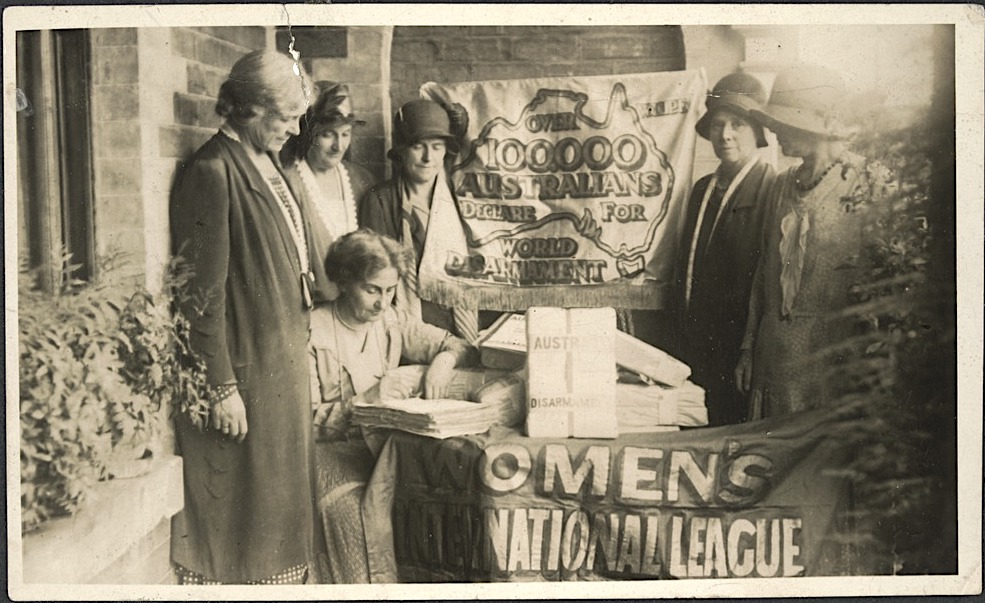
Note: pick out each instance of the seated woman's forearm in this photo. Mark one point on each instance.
(465, 354)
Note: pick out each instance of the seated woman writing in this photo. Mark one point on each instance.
(354, 341)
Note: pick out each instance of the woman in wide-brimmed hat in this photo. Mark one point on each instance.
(331, 183)
(720, 244)
(802, 278)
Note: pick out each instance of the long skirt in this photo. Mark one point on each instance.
(341, 472)
(791, 371)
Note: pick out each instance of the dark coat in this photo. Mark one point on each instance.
(380, 210)
(713, 324)
(360, 178)
(248, 506)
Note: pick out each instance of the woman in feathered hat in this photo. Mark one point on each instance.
(721, 244)
(332, 185)
(803, 278)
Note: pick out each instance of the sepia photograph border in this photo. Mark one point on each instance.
(969, 26)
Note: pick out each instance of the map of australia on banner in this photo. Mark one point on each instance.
(568, 191)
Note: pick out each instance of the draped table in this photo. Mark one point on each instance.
(749, 500)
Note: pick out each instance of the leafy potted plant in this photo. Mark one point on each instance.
(102, 366)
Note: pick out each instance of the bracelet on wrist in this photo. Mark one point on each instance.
(221, 392)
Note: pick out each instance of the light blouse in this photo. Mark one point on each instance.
(346, 362)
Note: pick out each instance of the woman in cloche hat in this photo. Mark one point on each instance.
(721, 243)
(423, 138)
(802, 279)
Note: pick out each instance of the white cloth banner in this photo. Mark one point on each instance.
(568, 191)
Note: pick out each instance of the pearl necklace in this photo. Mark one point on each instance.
(338, 317)
(806, 187)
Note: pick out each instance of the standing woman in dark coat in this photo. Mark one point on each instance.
(721, 244)
(248, 515)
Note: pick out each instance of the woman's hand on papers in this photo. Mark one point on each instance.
(439, 376)
(390, 387)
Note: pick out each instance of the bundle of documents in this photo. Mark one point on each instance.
(504, 346)
(508, 394)
(651, 408)
(571, 373)
(437, 418)
(642, 358)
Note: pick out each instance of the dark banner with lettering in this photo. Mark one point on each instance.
(568, 191)
(747, 501)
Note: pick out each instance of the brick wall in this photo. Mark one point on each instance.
(118, 204)
(182, 111)
(457, 54)
(206, 55)
(153, 96)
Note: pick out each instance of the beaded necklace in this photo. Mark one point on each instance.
(809, 186)
(289, 209)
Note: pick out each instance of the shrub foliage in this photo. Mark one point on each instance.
(101, 368)
(899, 364)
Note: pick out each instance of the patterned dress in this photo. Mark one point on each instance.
(803, 279)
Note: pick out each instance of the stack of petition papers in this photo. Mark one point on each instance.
(437, 418)
(652, 408)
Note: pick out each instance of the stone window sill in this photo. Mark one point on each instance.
(79, 549)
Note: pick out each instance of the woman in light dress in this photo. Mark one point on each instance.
(355, 340)
(806, 272)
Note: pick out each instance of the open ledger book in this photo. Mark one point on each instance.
(397, 403)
